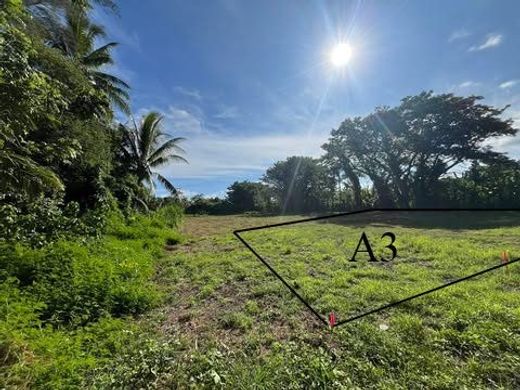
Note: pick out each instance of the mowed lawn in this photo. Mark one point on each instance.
(237, 326)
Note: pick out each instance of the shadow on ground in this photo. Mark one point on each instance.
(454, 220)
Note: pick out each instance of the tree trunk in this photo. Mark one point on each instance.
(384, 196)
(354, 181)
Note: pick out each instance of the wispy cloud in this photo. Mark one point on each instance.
(465, 87)
(509, 84)
(492, 40)
(468, 84)
(458, 34)
(189, 92)
(181, 121)
(215, 155)
(230, 112)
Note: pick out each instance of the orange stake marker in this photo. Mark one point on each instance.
(504, 256)
(332, 319)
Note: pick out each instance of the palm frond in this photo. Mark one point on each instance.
(148, 132)
(171, 144)
(100, 56)
(165, 159)
(142, 146)
(110, 79)
(166, 183)
(116, 92)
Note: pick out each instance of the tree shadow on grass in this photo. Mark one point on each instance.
(451, 220)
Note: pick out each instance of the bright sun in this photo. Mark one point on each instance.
(340, 55)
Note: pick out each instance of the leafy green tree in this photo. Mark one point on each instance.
(404, 151)
(86, 4)
(147, 147)
(341, 167)
(484, 185)
(29, 98)
(199, 204)
(248, 196)
(300, 184)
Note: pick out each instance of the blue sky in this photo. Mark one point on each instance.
(250, 82)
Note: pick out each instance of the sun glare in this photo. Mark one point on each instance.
(340, 55)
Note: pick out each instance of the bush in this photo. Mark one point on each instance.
(59, 302)
(43, 220)
(81, 282)
(158, 225)
(200, 205)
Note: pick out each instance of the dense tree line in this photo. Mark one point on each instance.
(61, 149)
(412, 155)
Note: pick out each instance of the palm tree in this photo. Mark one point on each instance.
(147, 147)
(72, 32)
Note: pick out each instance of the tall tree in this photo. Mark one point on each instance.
(72, 32)
(337, 160)
(301, 184)
(444, 131)
(405, 150)
(147, 147)
(248, 196)
(39, 90)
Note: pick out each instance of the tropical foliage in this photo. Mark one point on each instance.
(147, 147)
(76, 254)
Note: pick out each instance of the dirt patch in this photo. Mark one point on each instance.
(210, 225)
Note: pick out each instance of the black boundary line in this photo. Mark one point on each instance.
(281, 279)
(381, 308)
(360, 212)
(353, 318)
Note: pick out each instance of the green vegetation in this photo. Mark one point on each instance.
(143, 150)
(220, 318)
(241, 328)
(100, 288)
(66, 306)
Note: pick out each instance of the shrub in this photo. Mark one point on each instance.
(81, 283)
(59, 302)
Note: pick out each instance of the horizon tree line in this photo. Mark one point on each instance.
(413, 155)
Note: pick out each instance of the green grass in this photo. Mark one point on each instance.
(243, 329)
(221, 320)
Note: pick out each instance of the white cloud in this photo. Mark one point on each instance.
(189, 92)
(508, 145)
(227, 113)
(508, 84)
(468, 84)
(492, 40)
(466, 87)
(458, 34)
(182, 121)
(215, 155)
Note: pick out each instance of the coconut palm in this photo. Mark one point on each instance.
(147, 147)
(75, 35)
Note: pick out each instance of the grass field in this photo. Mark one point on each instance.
(228, 322)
